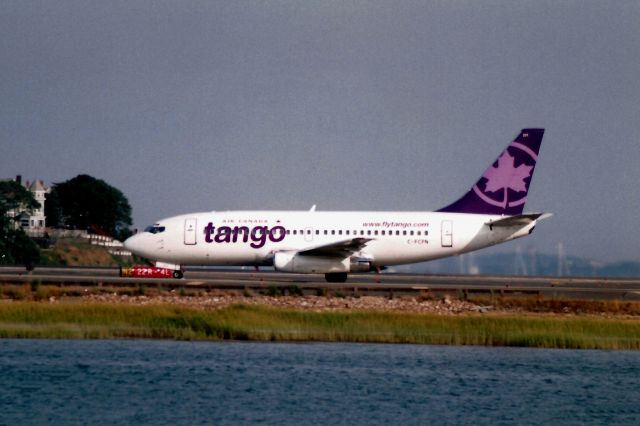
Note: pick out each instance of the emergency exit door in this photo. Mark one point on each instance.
(308, 235)
(447, 233)
(190, 226)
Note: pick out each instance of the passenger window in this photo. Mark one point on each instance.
(397, 232)
(411, 232)
(375, 232)
(404, 232)
(325, 232)
(333, 232)
(340, 232)
(347, 232)
(369, 232)
(382, 232)
(317, 232)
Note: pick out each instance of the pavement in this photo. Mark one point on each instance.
(361, 284)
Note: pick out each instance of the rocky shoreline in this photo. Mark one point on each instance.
(445, 306)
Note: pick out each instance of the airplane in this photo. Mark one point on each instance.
(336, 243)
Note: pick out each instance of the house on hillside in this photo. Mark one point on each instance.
(34, 222)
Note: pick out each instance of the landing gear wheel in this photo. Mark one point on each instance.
(336, 277)
(177, 274)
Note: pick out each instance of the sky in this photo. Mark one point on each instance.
(190, 106)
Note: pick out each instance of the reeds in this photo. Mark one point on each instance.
(241, 322)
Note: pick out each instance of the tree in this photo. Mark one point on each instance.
(85, 202)
(15, 245)
(14, 196)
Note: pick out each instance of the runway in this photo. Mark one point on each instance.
(383, 284)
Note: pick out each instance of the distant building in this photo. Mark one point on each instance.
(34, 222)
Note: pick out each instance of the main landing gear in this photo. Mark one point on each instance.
(177, 274)
(341, 277)
(336, 277)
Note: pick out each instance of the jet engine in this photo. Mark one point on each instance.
(294, 262)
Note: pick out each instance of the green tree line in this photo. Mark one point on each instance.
(84, 203)
(87, 203)
(15, 246)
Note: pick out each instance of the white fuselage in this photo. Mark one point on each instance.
(337, 243)
(253, 237)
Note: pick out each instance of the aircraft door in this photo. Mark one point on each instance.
(190, 226)
(308, 234)
(447, 233)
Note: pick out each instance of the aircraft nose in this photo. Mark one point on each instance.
(134, 244)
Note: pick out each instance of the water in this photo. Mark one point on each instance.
(166, 382)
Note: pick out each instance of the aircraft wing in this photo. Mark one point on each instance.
(338, 249)
(521, 219)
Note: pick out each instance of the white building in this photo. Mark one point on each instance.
(34, 222)
(37, 220)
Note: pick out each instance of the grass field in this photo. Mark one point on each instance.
(79, 320)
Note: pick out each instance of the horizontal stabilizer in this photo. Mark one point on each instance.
(518, 220)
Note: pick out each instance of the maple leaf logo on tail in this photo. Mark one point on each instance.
(513, 181)
(506, 175)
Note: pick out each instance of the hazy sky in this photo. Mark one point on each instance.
(194, 105)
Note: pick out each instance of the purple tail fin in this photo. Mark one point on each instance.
(503, 187)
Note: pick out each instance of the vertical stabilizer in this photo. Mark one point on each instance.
(504, 186)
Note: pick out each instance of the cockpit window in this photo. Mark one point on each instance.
(154, 229)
